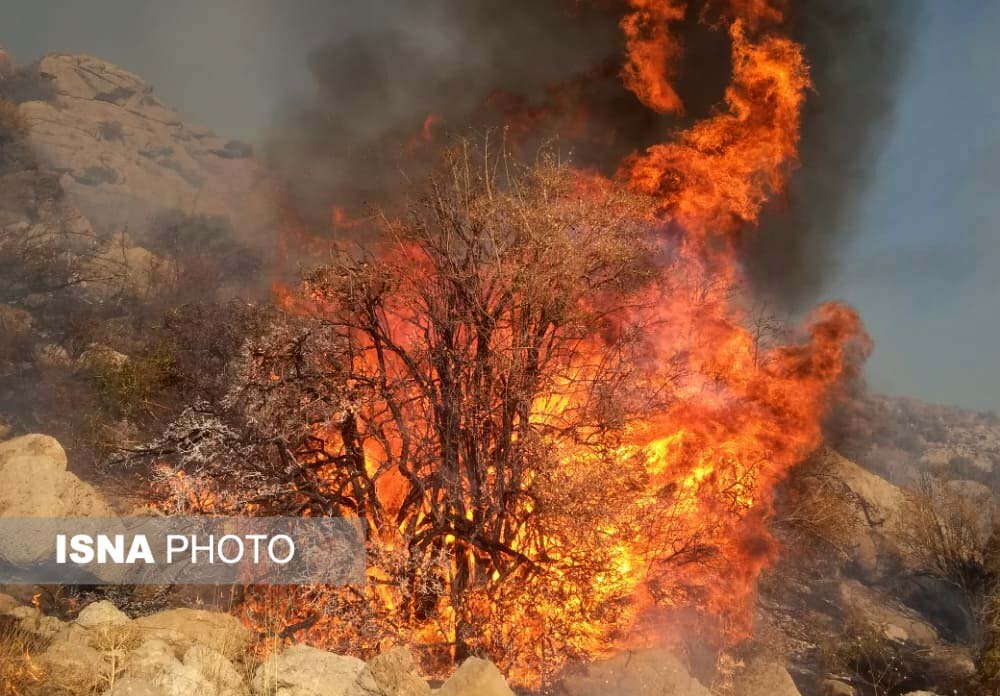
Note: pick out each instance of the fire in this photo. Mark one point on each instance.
(681, 492)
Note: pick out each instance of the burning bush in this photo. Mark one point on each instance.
(520, 391)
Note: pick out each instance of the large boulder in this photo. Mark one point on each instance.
(895, 621)
(396, 673)
(182, 629)
(305, 671)
(103, 614)
(34, 482)
(655, 672)
(876, 506)
(476, 677)
(762, 678)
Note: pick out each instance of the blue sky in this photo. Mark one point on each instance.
(924, 256)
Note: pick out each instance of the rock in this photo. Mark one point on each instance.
(128, 156)
(305, 671)
(216, 669)
(184, 680)
(877, 511)
(184, 628)
(396, 674)
(832, 687)
(74, 667)
(132, 686)
(765, 679)
(34, 482)
(476, 677)
(7, 603)
(897, 622)
(150, 659)
(101, 357)
(640, 673)
(100, 615)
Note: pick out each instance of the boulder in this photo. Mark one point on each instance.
(178, 679)
(183, 628)
(655, 672)
(396, 673)
(34, 482)
(762, 678)
(7, 603)
(73, 667)
(878, 504)
(897, 623)
(151, 659)
(216, 669)
(476, 677)
(305, 671)
(53, 355)
(101, 615)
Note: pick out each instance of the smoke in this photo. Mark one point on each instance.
(550, 69)
(857, 50)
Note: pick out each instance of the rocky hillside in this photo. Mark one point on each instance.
(903, 439)
(115, 216)
(122, 155)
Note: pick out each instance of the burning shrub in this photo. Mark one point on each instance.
(546, 412)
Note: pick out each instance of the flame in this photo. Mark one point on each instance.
(698, 471)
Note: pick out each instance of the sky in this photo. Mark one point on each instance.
(923, 259)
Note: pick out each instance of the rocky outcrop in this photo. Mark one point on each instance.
(123, 155)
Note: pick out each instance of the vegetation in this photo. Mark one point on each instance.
(20, 673)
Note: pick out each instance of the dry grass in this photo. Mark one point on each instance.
(20, 674)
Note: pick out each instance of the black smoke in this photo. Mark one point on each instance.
(857, 51)
(551, 67)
